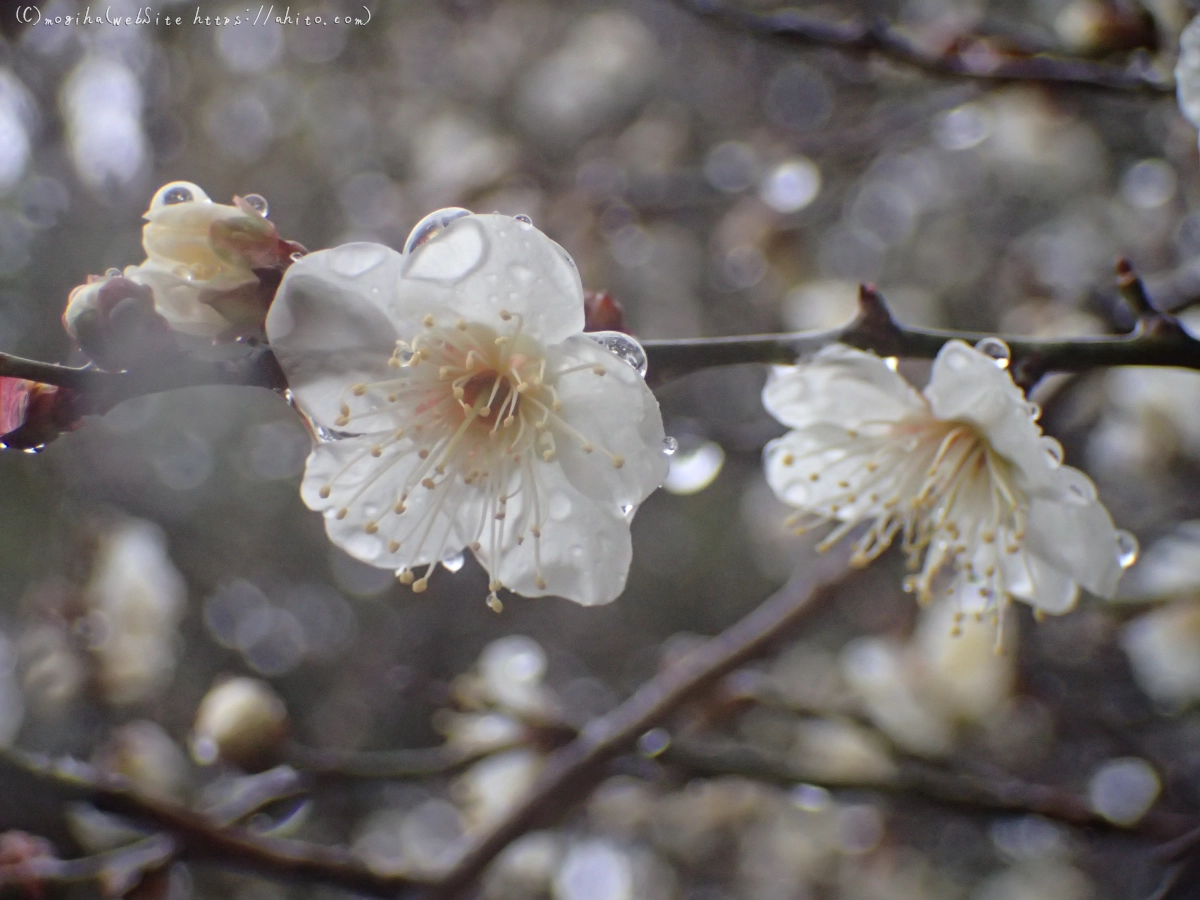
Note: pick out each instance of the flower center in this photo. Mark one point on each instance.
(480, 412)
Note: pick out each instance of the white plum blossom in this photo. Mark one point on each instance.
(459, 405)
(961, 473)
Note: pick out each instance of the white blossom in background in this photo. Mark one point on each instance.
(984, 508)
(1187, 72)
(459, 405)
(135, 599)
(101, 102)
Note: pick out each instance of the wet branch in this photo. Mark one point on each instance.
(1157, 339)
(971, 59)
(200, 838)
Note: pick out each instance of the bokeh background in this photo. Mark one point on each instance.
(715, 183)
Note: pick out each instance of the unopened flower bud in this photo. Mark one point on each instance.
(33, 414)
(115, 323)
(145, 754)
(241, 721)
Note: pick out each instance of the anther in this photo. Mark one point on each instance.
(377, 451)
(405, 577)
(325, 492)
(419, 585)
(371, 528)
(423, 453)
(427, 322)
(618, 461)
(399, 508)
(460, 324)
(393, 546)
(342, 513)
(359, 389)
(494, 604)
(428, 483)
(540, 582)
(599, 370)
(505, 315)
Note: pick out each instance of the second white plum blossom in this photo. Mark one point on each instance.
(961, 473)
(461, 406)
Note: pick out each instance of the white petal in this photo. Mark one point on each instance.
(481, 264)
(840, 385)
(583, 554)
(618, 414)
(330, 329)
(818, 450)
(368, 488)
(178, 300)
(1039, 583)
(968, 386)
(1078, 539)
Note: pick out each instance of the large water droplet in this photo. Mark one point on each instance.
(525, 222)
(258, 203)
(353, 260)
(178, 192)
(453, 562)
(623, 347)
(113, 272)
(1127, 549)
(432, 224)
(669, 445)
(694, 470)
(996, 349)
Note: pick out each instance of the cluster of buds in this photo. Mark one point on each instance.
(211, 271)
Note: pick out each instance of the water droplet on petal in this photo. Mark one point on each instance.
(669, 445)
(453, 562)
(112, 273)
(526, 222)
(1033, 410)
(1127, 549)
(654, 742)
(178, 192)
(353, 260)
(258, 203)
(694, 470)
(623, 347)
(891, 362)
(38, 449)
(1053, 450)
(627, 510)
(297, 256)
(521, 273)
(996, 349)
(432, 224)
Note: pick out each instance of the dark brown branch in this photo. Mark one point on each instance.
(912, 778)
(199, 838)
(98, 391)
(572, 771)
(1156, 340)
(977, 61)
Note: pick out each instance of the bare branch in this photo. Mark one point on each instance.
(918, 779)
(1156, 340)
(201, 839)
(969, 59)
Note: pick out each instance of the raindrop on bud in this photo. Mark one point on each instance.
(257, 202)
(525, 221)
(1127, 549)
(453, 562)
(431, 225)
(112, 273)
(670, 445)
(1054, 451)
(996, 349)
(623, 347)
(297, 256)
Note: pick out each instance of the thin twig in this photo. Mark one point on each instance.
(398, 765)
(977, 61)
(201, 839)
(116, 871)
(916, 779)
(1156, 340)
(569, 773)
